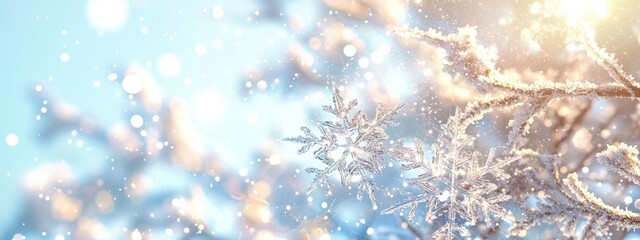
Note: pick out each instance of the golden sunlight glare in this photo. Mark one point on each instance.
(583, 10)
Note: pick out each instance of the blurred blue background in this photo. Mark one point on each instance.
(188, 146)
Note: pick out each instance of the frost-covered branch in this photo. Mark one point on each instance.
(578, 204)
(622, 159)
(478, 65)
(462, 184)
(568, 202)
(608, 62)
(476, 110)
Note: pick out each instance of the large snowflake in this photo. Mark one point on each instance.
(455, 186)
(352, 146)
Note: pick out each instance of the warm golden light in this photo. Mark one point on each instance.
(583, 10)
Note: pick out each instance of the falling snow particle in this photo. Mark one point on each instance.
(349, 50)
(132, 84)
(107, 15)
(218, 12)
(112, 76)
(243, 172)
(64, 57)
(12, 139)
(136, 235)
(136, 121)
(262, 85)
(275, 159)
(369, 231)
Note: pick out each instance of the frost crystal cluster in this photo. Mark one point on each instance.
(528, 181)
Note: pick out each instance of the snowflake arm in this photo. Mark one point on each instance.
(453, 185)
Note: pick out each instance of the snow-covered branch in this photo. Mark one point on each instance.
(459, 182)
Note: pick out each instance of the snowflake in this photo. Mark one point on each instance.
(454, 184)
(351, 146)
(461, 189)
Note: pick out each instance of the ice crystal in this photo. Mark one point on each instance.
(352, 146)
(455, 185)
(622, 159)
